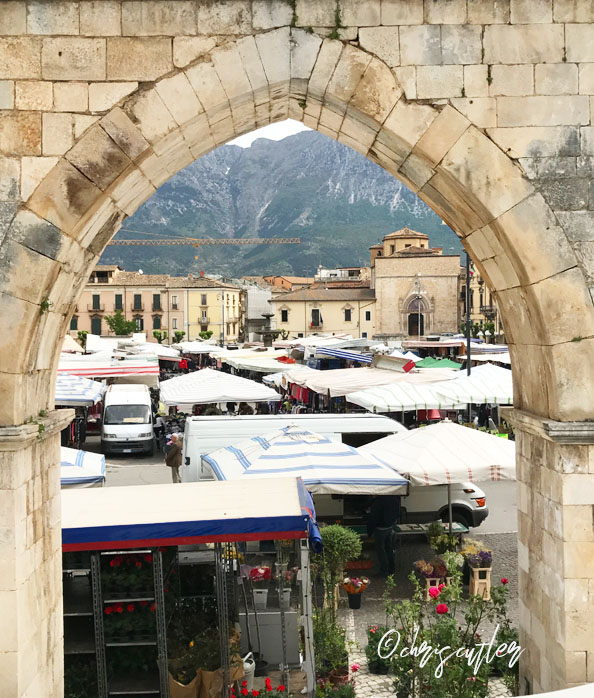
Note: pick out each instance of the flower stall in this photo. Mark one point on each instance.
(155, 579)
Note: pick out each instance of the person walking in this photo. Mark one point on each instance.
(384, 514)
(173, 457)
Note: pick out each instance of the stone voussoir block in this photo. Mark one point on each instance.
(98, 157)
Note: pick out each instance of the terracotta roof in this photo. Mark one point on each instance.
(330, 294)
(195, 282)
(106, 267)
(134, 278)
(406, 233)
(415, 252)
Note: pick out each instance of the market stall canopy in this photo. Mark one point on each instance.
(404, 396)
(282, 377)
(431, 362)
(184, 514)
(71, 346)
(343, 381)
(104, 366)
(81, 468)
(326, 466)
(486, 383)
(209, 386)
(75, 391)
(314, 340)
(197, 348)
(443, 453)
(497, 357)
(408, 355)
(259, 360)
(344, 354)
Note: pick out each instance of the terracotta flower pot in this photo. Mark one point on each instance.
(339, 677)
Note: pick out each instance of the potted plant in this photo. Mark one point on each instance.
(440, 540)
(260, 578)
(479, 559)
(330, 649)
(340, 545)
(453, 563)
(375, 663)
(354, 587)
(431, 572)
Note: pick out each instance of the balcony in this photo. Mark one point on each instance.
(204, 320)
(137, 308)
(316, 325)
(97, 308)
(157, 308)
(174, 306)
(118, 307)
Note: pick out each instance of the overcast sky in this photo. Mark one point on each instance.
(275, 132)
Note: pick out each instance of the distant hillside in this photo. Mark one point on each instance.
(306, 185)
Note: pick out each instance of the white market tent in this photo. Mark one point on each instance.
(81, 468)
(261, 360)
(283, 376)
(486, 383)
(210, 386)
(344, 381)
(324, 465)
(408, 355)
(75, 391)
(502, 358)
(404, 396)
(443, 453)
(197, 348)
(143, 367)
(71, 346)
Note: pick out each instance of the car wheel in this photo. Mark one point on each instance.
(458, 516)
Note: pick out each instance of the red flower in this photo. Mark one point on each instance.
(138, 564)
(504, 580)
(144, 604)
(112, 563)
(152, 608)
(119, 608)
(441, 609)
(280, 688)
(256, 693)
(434, 592)
(244, 692)
(130, 607)
(108, 610)
(148, 558)
(355, 667)
(244, 684)
(267, 681)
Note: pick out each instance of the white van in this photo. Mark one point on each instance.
(127, 424)
(207, 434)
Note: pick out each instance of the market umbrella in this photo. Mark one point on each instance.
(81, 468)
(446, 452)
(76, 391)
(325, 466)
(486, 383)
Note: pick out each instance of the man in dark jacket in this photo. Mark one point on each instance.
(173, 458)
(383, 516)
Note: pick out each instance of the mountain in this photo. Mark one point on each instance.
(306, 185)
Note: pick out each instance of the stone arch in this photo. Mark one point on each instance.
(513, 236)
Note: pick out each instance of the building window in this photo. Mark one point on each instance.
(96, 325)
(204, 317)
(368, 315)
(156, 323)
(364, 335)
(118, 302)
(379, 254)
(347, 314)
(174, 323)
(173, 302)
(96, 301)
(284, 316)
(228, 328)
(156, 301)
(139, 323)
(299, 334)
(203, 299)
(137, 301)
(203, 328)
(316, 317)
(392, 249)
(74, 322)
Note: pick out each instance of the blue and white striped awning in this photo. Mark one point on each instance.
(344, 354)
(76, 391)
(325, 466)
(81, 468)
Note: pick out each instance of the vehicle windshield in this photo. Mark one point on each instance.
(127, 414)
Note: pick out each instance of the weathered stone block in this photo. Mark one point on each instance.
(511, 80)
(179, 97)
(569, 194)
(33, 170)
(231, 17)
(64, 196)
(420, 45)
(580, 43)
(526, 43)
(324, 67)
(152, 18)
(312, 13)
(543, 111)
(71, 96)
(401, 12)
(274, 51)
(475, 81)
(57, 134)
(13, 17)
(451, 12)
(537, 141)
(100, 18)
(73, 59)
(58, 17)
(376, 94)
(550, 168)
(586, 78)
(207, 86)
(33, 95)
(9, 179)
(151, 115)
(269, 15)
(383, 42)
(441, 135)
(228, 64)
(531, 11)
(81, 122)
(356, 13)
(6, 94)
(346, 77)
(573, 11)
(20, 133)
(439, 81)
(578, 225)
(98, 157)
(132, 192)
(36, 234)
(103, 95)
(188, 48)
(461, 44)
(556, 79)
(138, 59)
(488, 11)
(407, 77)
(20, 57)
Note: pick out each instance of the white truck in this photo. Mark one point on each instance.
(127, 422)
(204, 435)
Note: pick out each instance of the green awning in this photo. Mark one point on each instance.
(431, 362)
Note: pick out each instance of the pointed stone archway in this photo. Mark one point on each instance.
(57, 233)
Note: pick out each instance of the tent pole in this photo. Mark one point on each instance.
(450, 508)
(468, 323)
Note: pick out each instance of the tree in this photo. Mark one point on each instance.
(118, 324)
(205, 334)
(178, 335)
(82, 338)
(160, 336)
